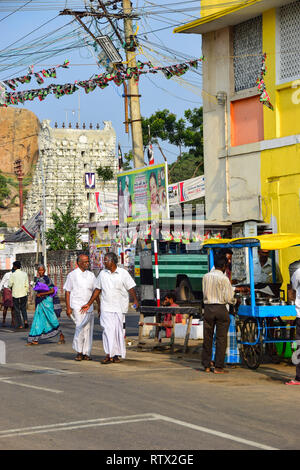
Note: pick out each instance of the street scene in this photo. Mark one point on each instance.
(149, 228)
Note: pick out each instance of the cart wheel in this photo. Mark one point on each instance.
(251, 354)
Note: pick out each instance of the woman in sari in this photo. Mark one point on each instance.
(45, 324)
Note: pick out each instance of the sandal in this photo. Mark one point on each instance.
(220, 371)
(85, 357)
(33, 343)
(107, 360)
(61, 341)
(116, 359)
(78, 357)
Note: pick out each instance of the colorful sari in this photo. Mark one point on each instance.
(45, 324)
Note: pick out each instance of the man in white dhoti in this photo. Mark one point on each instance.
(79, 287)
(115, 284)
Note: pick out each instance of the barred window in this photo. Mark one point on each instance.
(247, 51)
(289, 32)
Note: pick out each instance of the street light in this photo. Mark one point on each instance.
(18, 168)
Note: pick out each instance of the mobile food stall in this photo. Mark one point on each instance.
(265, 316)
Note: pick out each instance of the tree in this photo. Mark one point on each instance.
(65, 235)
(184, 133)
(4, 190)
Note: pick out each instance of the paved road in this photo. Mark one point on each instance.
(150, 401)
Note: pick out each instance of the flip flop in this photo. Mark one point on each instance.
(34, 343)
(116, 359)
(292, 382)
(78, 357)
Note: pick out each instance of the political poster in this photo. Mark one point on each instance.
(187, 190)
(143, 195)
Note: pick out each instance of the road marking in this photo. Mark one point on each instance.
(215, 433)
(8, 381)
(78, 425)
(36, 369)
(125, 420)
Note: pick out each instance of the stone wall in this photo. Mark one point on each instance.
(65, 156)
(19, 129)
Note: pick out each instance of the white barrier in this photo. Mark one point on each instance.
(2, 353)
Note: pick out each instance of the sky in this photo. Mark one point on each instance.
(158, 44)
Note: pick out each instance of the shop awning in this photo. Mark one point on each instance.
(275, 241)
(229, 16)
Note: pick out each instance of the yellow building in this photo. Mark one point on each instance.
(252, 153)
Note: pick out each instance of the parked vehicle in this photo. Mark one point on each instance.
(181, 269)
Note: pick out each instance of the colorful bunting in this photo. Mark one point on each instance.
(12, 83)
(264, 96)
(118, 77)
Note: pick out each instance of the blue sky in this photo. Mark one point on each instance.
(100, 105)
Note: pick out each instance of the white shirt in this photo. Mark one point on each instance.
(114, 290)
(4, 280)
(217, 288)
(296, 286)
(81, 285)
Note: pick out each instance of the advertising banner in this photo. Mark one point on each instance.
(106, 202)
(143, 195)
(187, 190)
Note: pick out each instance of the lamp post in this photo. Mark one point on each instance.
(18, 167)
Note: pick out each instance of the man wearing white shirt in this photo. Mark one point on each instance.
(115, 284)
(295, 281)
(79, 286)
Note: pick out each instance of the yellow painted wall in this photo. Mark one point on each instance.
(280, 168)
(209, 7)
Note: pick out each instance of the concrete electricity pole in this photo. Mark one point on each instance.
(135, 110)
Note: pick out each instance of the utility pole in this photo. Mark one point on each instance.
(135, 110)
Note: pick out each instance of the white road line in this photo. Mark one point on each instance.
(77, 425)
(7, 381)
(125, 420)
(215, 433)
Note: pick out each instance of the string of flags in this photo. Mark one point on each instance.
(130, 236)
(46, 73)
(102, 81)
(264, 96)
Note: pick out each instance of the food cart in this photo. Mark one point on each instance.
(263, 319)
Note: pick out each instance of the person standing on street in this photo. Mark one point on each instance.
(295, 281)
(19, 284)
(7, 298)
(114, 284)
(217, 293)
(79, 287)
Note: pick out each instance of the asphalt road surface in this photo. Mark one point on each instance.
(151, 401)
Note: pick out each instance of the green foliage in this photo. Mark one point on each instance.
(127, 161)
(105, 173)
(4, 190)
(185, 133)
(65, 235)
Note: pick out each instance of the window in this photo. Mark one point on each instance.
(289, 39)
(247, 121)
(247, 51)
